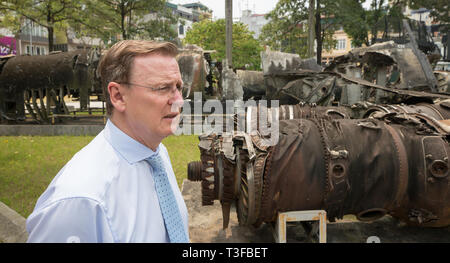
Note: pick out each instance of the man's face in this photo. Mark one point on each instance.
(150, 114)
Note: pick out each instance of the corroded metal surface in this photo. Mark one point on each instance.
(335, 88)
(193, 68)
(388, 64)
(394, 161)
(26, 79)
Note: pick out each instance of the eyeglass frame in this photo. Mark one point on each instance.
(179, 88)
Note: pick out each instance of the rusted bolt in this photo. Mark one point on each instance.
(338, 170)
(439, 169)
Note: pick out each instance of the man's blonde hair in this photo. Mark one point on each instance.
(115, 65)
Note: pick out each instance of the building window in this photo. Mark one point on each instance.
(181, 30)
(40, 50)
(30, 50)
(35, 50)
(340, 45)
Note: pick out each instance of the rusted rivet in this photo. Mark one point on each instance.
(338, 170)
(439, 169)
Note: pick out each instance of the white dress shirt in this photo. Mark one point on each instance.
(105, 193)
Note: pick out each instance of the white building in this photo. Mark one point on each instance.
(255, 22)
(32, 39)
(189, 14)
(421, 14)
(185, 20)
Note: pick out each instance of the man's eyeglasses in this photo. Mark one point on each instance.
(163, 91)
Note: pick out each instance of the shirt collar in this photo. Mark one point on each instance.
(130, 149)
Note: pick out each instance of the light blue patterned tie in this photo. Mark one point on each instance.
(167, 202)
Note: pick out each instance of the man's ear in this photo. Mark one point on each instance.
(116, 95)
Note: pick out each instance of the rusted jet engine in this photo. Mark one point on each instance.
(367, 136)
(394, 161)
(24, 79)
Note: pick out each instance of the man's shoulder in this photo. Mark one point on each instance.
(87, 174)
(94, 156)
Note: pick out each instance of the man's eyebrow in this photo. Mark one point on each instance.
(163, 82)
(169, 82)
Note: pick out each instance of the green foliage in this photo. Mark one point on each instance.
(362, 25)
(50, 14)
(353, 18)
(288, 32)
(47, 13)
(10, 21)
(210, 35)
(374, 15)
(105, 19)
(158, 29)
(126, 19)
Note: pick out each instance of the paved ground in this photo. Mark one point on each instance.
(205, 226)
(12, 226)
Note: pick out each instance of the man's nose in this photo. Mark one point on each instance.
(177, 98)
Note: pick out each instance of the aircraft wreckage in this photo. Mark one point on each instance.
(367, 136)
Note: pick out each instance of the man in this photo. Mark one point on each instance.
(121, 186)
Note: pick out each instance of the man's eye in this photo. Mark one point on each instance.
(163, 89)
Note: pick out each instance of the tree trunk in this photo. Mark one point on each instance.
(50, 28)
(229, 32)
(50, 39)
(318, 34)
(123, 17)
(311, 28)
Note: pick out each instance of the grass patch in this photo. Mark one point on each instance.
(29, 163)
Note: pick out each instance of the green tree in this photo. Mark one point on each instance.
(47, 13)
(326, 24)
(363, 25)
(210, 35)
(287, 30)
(378, 10)
(128, 19)
(353, 18)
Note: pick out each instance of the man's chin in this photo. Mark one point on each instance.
(174, 124)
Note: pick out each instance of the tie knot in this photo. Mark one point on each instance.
(156, 162)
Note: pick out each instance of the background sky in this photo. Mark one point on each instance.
(218, 6)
